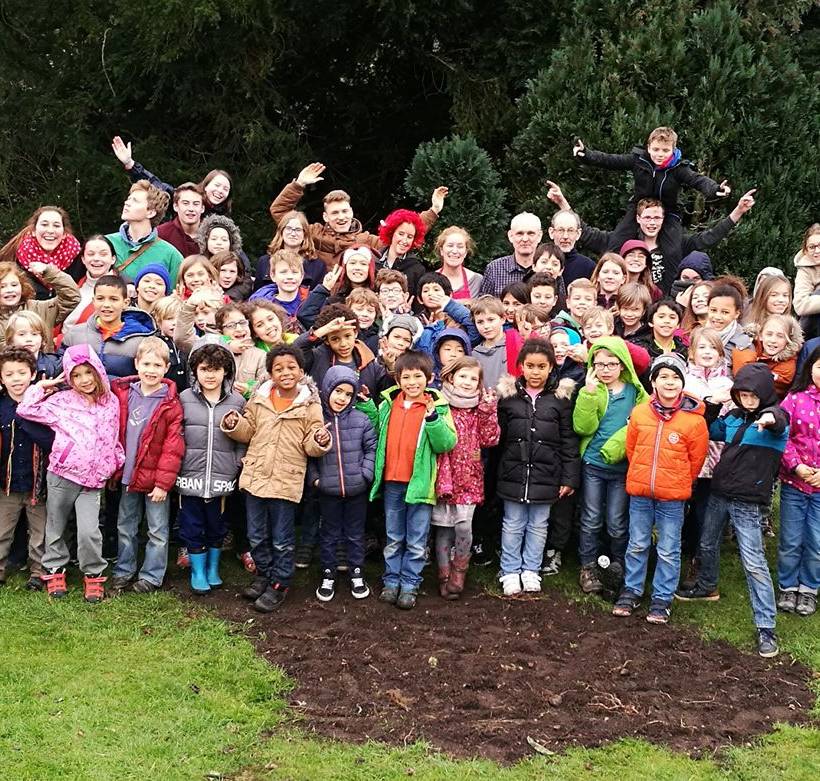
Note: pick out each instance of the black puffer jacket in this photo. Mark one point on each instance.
(410, 265)
(539, 448)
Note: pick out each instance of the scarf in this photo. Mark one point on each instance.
(672, 160)
(61, 256)
(665, 413)
(727, 333)
(457, 399)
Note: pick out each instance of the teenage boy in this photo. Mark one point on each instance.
(115, 331)
(24, 448)
(151, 435)
(415, 425)
(666, 444)
(498, 351)
(755, 433)
(137, 243)
(601, 412)
(189, 206)
(340, 230)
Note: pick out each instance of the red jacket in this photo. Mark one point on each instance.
(161, 446)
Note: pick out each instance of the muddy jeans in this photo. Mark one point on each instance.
(63, 495)
(10, 507)
(454, 528)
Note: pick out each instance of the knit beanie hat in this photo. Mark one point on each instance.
(408, 322)
(160, 271)
(671, 361)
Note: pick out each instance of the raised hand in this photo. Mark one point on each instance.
(429, 403)
(556, 195)
(35, 267)
(50, 386)
(311, 174)
(746, 202)
(122, 151)
(723, 190)
(437, 201)
(765, 420)
(578, 148)
(332, 277)
(591, 385)
(488, 396)
(337, 324)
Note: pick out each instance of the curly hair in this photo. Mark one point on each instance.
(18, 355)
(330, 312)
(390, 223)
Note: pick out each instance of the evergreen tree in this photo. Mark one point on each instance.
(726, 77)
(476, 196)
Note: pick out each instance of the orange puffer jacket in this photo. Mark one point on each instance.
(666, 456)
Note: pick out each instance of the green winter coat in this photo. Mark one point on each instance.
(591, 407)
(436, 436)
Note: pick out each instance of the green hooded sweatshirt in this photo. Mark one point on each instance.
(590, 408)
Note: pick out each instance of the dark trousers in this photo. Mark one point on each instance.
(562, 517)
(237, 521)
(343, 520)
(201, 523)
(693, 521)
(272, 537)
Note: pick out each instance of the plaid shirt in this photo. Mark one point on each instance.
(500, 273)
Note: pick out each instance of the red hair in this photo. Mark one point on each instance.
(389, 224)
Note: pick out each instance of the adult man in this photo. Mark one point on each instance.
(137, 244)
(665, 255)
(189, 205)
(565, 230)
(340, 230)
(525, 235)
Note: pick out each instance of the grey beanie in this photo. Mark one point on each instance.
(671, 361)
(408, 322)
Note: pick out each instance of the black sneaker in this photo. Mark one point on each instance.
(341, 557)
(327, 588)
(767, 643)
(34, 583)
(358, 585)
(144, 587)
(806, 604)
(304, 553)
(118, 585)
(697, 594)
(481, 556)
(256, 588)
(273, 597)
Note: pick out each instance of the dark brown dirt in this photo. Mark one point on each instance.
(479, 676)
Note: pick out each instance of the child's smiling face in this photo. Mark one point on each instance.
(340, 397)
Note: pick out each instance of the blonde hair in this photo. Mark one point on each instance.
(487, 305)
(191, 261)
(632, 294)
(362, 296)
(25, 315)
(608, 257)
(335, 196)
(595, 313)
(156, 199)
(293, 260)
(794, 334)
(582, 283)
(26, 288)
(663, 134)
(532, 314)
(154, 345)
(166, 308)
(707, 333)
(756, 313)
(449, 231)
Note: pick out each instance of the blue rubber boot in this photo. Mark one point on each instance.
(199, 581)
(214, 581)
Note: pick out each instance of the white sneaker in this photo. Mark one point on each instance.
(511, 584)
(531, 581)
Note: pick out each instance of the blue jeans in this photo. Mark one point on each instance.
(523, 536)
(604, 498)
(156, 547)
(747, 518)
(272, 537)
(667, 518)
(407, 527)
(798, 553)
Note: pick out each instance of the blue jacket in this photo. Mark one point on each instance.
(457, 312)
(24, 449)
(750, 461)
(347, 468)
(446, 333)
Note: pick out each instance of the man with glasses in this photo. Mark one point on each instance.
(666, 248)
(565, 230)
(525, 235)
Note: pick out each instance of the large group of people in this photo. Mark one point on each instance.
(345, 385)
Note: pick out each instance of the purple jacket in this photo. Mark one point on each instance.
(803, 445)
(87, 447)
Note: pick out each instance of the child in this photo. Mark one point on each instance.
(638, 259)
(600, 416)
(435, 295)
(513, 297)
(449, 344)
(150, 429)
(532, 321)
(539, 461)
(666, 444)
(570, 354)
(195, 273)
(211, 463)
(581, 295)
(725, 307)
(544, 293)
(343, 477)
(498, 351)
(632, 302)
(798, 551)
(235, 281)
(282, 426)
(85, 454)
(755, 433)
(415, 425)
(777, 345)
(550, 258)
(358, 269)
(401, 332)
(696, 311)
(772, 296)
(165, 314)
(26, 329)
(151, 283)
(664, 317)
(115, 332)
(460, 477)
(608, 276)
(23, 447)
(267, 321)
(595, 323)
(365, 305)
(286, 272)
(391, 288)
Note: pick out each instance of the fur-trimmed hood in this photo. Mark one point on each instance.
(510, 386)
(794, 343)
(218, 221)
(308, 392)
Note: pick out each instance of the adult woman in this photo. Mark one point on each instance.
(292, 233)
(46, 239)
(401, 232)
(97, 260)
(806, 282)
(453, 245)
(16, 293)
(217, 184)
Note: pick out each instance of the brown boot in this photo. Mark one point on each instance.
(458, 574)
(443, 580)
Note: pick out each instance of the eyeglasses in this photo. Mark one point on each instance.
(565, 231)
(289, 229)
(236, 325)
(607, 365)
(813, 247)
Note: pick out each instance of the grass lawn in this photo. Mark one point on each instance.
(147, 687)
